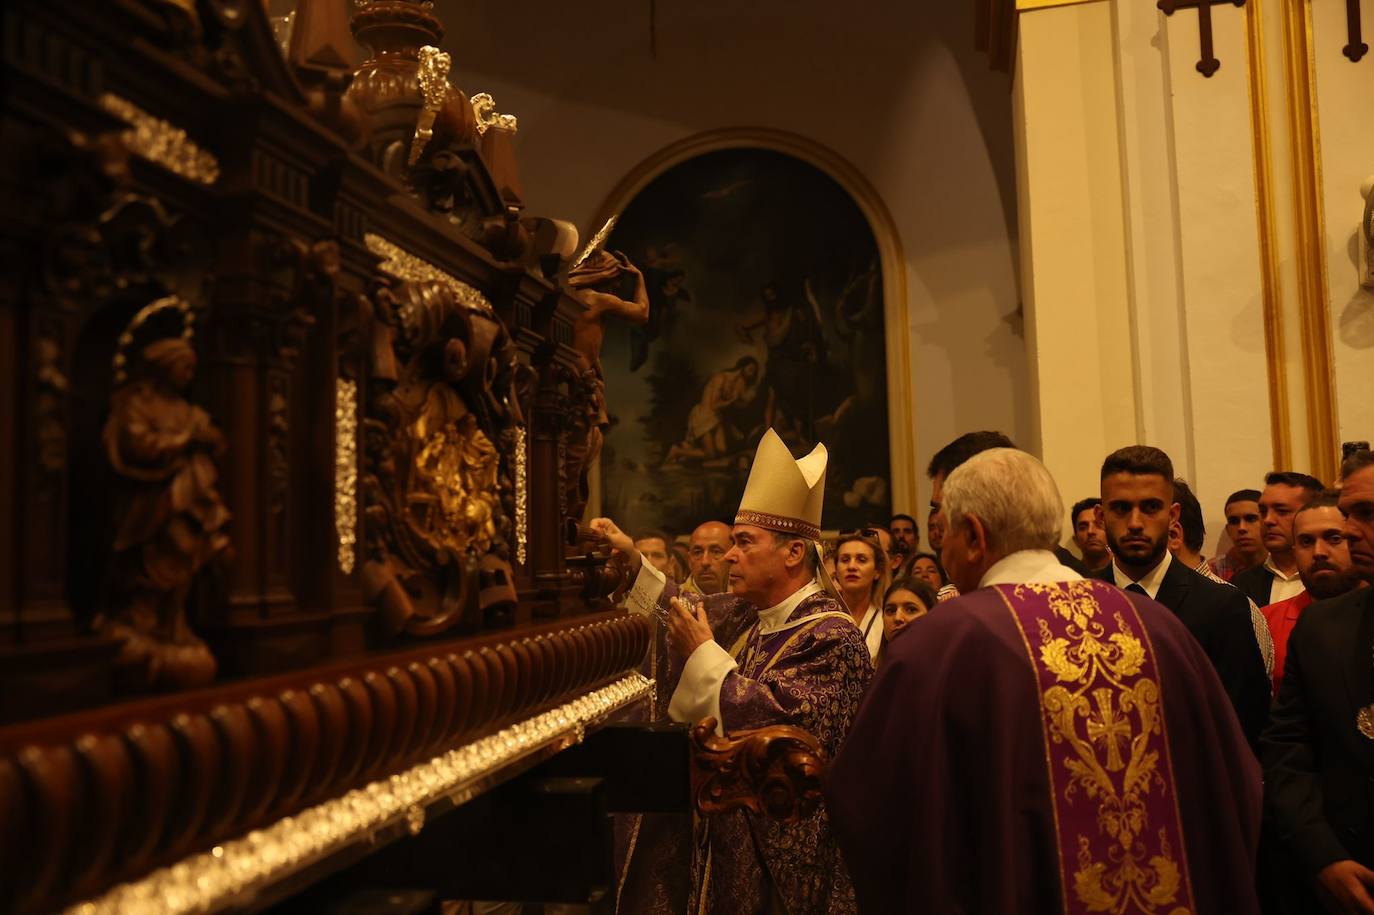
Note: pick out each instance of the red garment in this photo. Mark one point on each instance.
(1282, 617)
(1226, 566)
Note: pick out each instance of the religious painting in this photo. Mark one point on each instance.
(766, 309)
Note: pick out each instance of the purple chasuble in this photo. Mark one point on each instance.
(811, 675)
(1048, 748)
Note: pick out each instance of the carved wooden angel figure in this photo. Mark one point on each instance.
(597, 279)
(169, 519)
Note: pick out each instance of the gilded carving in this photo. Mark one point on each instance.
(346, 471)
(162, 142)
(433, 79)
(403, 265)
(436, 494)
(522, 519)
(484, 108)
(456, 471)
(170, 520)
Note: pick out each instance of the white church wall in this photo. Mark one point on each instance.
(1073, 267)
(895, 89)
(1146, 171)
(1345, 98)
(1221, 277)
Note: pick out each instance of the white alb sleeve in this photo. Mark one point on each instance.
(698, 691)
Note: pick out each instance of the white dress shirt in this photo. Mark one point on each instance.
(1284, 586)
(1150, 581)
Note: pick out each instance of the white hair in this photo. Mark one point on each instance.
(1012, 494)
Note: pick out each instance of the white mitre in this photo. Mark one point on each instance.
(785, 494)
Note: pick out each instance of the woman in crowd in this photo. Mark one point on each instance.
(907, 599)
(924, 565)
(861, 573)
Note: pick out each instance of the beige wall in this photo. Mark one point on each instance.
(1073, 265)
(1345, 99)
(895, 89)
(1176, 195)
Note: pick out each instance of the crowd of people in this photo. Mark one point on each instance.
(1014, 727)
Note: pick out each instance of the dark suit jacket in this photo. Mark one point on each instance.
(1218, 616)
(1069, 559)
(1318, 767)
(1256, 582)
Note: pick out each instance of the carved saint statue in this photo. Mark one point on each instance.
(597, 280)
(170, 520)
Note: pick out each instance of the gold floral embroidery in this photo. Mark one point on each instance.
(1104, 715)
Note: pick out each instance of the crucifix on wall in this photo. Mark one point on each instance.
(1356, 47)
(1208, 64)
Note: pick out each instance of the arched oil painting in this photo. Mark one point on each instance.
(766, 308)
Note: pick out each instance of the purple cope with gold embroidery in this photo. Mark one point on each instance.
(811, 675)
(1120, 839)
(991, 771)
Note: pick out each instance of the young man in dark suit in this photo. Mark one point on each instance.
(1318, 751)
(1277, 578)
(1137, 510)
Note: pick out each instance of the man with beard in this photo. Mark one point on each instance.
(1276, 578)
(1137, 511)
(1318, 766)
(1323, 562)
(902, 528)
(1088, 534)
(706, 556)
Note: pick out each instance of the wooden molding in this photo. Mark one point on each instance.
(97, 798)
(1276, 374)
(1313, 290)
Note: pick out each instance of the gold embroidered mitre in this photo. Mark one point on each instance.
(784, 494)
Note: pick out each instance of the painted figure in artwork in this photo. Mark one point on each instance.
(767, 310)
(712, 427)
(170, 518)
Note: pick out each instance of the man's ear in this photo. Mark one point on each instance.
(1175, 512)
(977, 537)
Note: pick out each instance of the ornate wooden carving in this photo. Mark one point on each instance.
(775, 771)
(145, 784)
(359, 447)
(169, 520)
(440, 402)
(1208, 63)
(186, 169)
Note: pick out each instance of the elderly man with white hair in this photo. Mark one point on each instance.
(1043, 743)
